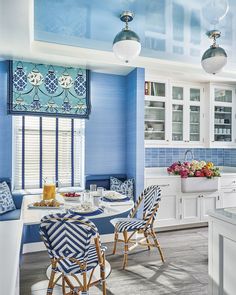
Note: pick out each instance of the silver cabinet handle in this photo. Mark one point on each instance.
(164, 185)
(233, 190)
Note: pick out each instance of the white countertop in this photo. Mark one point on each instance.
(161, 172)
(225, 214)
(10, 233)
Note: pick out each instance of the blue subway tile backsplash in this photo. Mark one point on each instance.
(164, 157)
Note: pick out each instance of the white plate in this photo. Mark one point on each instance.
(72, 198)
(112, 195)
(31, 206)
(80, 209)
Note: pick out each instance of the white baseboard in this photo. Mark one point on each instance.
(39, 246)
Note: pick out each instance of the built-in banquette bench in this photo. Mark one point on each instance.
(31, 232)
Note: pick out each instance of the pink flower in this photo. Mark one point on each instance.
(198, 173)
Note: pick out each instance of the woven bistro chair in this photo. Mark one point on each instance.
(68, 239)
(149, 200)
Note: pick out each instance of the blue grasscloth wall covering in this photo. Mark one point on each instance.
(163, 157)
(105, 131)
(5, 125)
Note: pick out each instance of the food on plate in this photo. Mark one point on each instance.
(113, 195)
(47, 203)
(71, 194)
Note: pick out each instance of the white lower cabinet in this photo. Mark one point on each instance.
(168, 212)
(190, 209)
(177, 208)
(209, 202)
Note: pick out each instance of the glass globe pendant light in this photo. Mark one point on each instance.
(126, 45)
(214, 58)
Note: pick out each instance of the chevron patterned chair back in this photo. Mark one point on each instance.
(68, 239)
(149, 201)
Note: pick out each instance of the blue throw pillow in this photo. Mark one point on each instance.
(124, 188)
(6, 200)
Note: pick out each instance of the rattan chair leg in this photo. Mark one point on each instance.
(146, 236)
(63, 285)
(51, 282)
(126, 249)
(157, 245)
(116, 235)
(103, 277)
(85, 286)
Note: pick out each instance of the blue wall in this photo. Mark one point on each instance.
(105, 132)
(5, 125)
(164, 157)
(135, 127)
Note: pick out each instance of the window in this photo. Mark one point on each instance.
(48, 147)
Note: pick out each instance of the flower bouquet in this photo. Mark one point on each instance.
(196, 176)
(194, 169)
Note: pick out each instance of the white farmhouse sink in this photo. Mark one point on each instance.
(199, 184)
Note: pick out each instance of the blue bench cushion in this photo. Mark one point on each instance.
(17, 198)
(12, 215)
(102, 180)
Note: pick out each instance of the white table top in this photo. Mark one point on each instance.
(33, 216)
(10, 233)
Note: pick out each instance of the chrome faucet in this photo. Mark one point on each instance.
(186, 155)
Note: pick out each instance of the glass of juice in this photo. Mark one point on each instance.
(49, 188)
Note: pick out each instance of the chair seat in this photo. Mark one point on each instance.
(122, 224)
(68, 267)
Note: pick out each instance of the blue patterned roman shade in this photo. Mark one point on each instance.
(47, 90)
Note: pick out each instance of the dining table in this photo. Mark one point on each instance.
(110, 209)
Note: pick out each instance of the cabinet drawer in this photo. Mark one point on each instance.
(228, 182)
(229, 190)
(168, 186)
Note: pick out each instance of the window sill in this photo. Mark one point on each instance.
(36, 191)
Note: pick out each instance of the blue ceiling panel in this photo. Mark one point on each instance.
(169, 29)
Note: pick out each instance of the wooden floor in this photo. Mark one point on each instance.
(184, 273)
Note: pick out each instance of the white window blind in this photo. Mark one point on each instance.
(48, 147)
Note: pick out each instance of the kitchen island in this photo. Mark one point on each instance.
(222, 251)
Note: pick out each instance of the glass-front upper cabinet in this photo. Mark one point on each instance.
(186, 113)
(223, 108)
(155, 111)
